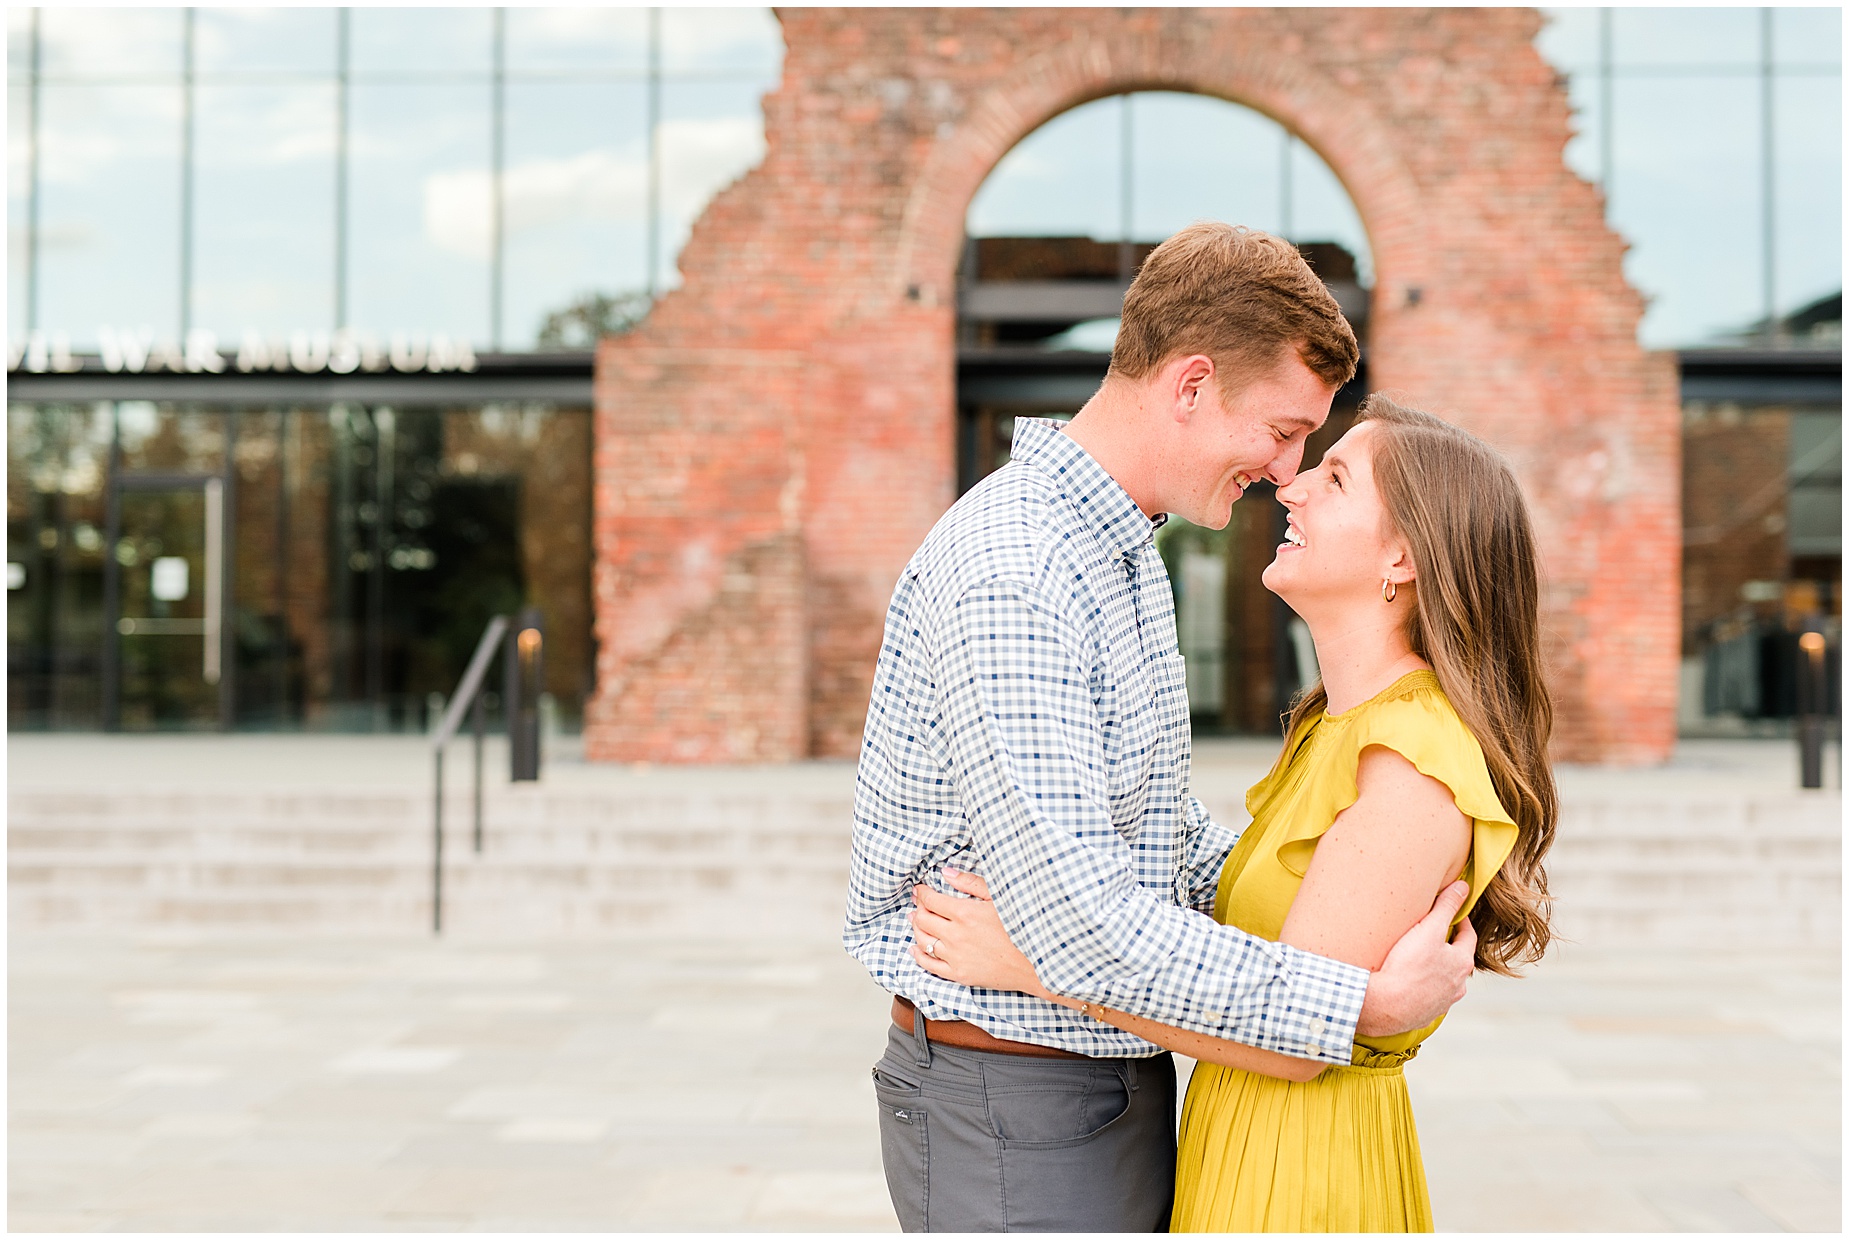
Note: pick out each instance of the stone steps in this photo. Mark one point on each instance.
(552, 859)
(1697, 865)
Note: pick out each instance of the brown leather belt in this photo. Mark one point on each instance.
(967, 1037)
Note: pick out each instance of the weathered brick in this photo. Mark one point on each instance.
(777, 437)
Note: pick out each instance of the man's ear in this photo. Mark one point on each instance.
(1192, 375)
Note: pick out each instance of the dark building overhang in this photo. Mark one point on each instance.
(1060, 379)
(1762, 376)
(1066, 379)
(992, 375)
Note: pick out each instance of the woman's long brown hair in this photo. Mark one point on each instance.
(1477, 621)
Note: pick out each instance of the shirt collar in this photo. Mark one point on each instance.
(1101, 503)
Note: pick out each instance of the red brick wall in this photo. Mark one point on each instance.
(777, 438)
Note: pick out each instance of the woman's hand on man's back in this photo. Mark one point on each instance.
(968, 942)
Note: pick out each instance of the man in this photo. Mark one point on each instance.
(1029, 723)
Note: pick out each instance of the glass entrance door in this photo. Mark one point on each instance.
(170, 573)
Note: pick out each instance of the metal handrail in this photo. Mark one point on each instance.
(468, 697)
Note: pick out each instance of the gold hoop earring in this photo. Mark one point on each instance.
(1388, 591)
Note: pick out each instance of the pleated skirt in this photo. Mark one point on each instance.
(1338, 1153)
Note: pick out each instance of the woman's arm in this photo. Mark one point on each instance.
(972, 947)
(1375, 869)
(1371, 878)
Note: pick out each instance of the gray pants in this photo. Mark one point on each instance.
(974, 1141)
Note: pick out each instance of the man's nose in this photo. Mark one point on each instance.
(1283, 467)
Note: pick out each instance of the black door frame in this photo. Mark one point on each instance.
(121, 481)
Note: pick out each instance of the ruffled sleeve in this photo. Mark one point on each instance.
(1417, 722)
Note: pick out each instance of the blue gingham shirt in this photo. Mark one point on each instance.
(1029, 723)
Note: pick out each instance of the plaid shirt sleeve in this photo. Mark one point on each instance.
(1205, 846)
(1022, 738)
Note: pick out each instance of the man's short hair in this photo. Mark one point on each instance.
(1239, 296)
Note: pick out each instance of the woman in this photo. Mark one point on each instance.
(1420, 758)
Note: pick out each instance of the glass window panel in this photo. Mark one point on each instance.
(93, 42)
(18, 40)
(1570, 39)
(1686, 195)
(1060, 180)
(1570, 43)
(18, 151)
(1807, 150)
(596, 39)
(168, 438)
(57, 458)
(109, 169)
(252, 40)
(1684, 37)
(1195, 158)
(110, 41)
(1807, 36)
(712, 133)
(721, 41)
(1322, 211)
(264, 215)
(1064, 178)
(1582, 151)
(260, 569)
(420, 213)
(396, 41)
(576, 190)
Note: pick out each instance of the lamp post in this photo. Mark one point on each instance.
(1813, 703)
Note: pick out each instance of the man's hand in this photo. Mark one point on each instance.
(1423, 975)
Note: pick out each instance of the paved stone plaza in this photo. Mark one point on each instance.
(168, 1081)
(243, 1077)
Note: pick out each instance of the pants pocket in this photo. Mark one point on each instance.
(905, 1148)
(1116, 1174)
(1057, 1116)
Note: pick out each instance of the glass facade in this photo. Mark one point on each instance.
(465, 172)
(318, 566)
(280, 438)
(1715, 135)
(279, 444)
(1129, 167)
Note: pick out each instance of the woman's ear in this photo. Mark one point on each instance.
(1401, 570)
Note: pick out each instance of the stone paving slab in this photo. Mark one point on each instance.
(174, 1081)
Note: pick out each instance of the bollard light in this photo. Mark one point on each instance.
(1813, 701)
(525, 674)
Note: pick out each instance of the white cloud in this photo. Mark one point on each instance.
(86, 134)
(262, 126)
(698, 158)
(111, 40)
(707, 38)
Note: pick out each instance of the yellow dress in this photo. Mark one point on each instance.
(1338, 1153)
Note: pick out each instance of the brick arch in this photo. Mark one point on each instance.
(774, 441)
(1338, 125)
